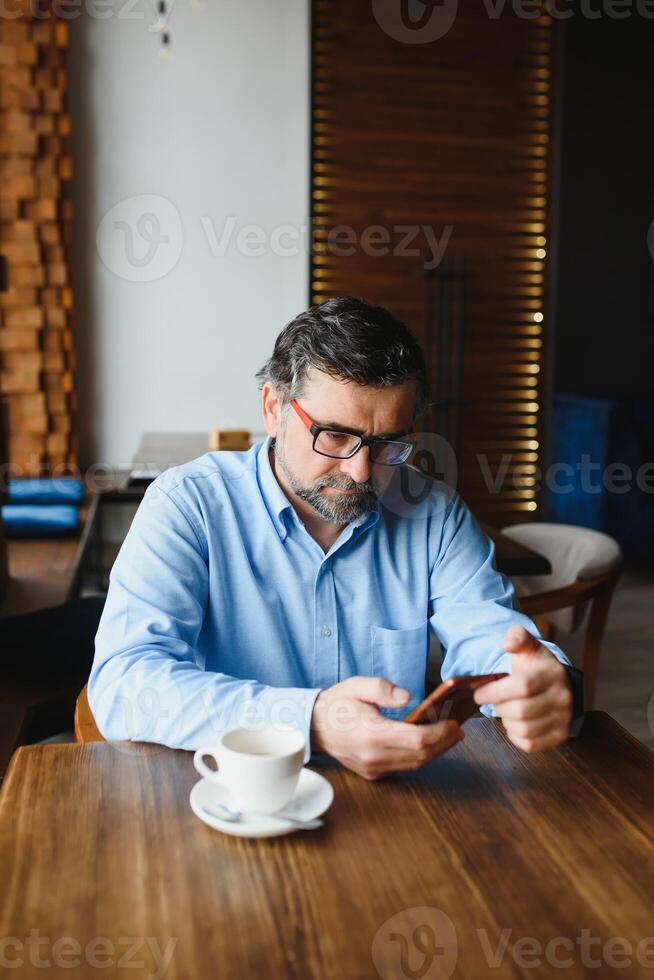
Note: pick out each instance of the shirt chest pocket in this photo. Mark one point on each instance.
(400, 656)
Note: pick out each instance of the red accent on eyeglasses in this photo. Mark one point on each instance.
(303, 415)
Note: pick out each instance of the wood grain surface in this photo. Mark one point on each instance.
(475, 856)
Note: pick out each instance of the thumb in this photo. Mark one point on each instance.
(378, 690)
(519, 640)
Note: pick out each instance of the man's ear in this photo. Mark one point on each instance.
(271, 408)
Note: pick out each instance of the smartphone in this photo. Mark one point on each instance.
(451, 699)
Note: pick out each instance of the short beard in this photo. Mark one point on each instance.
(337, 508)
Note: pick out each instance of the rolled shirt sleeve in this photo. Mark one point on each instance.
(472, 605)
(148, 681)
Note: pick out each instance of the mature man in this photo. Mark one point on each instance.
(297, 584)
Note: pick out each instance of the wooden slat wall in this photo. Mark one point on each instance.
(454, 132)
(37, 359)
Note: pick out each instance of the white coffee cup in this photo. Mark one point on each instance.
(259, 767)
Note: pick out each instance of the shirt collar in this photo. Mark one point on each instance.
(277, 503)
(274, 497)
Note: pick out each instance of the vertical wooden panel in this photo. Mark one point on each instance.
(419, 145)
(36, 317)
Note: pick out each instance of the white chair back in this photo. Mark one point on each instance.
(574, 553)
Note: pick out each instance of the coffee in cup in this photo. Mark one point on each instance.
(259, 767)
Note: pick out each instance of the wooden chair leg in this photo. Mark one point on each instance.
(599, 612)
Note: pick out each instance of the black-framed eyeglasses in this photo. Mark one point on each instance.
(340, 444)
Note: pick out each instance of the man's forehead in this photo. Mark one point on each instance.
(346, 403)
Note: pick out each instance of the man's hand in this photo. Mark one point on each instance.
(535, 701)
(347, 724)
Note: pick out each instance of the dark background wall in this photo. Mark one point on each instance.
(604, 311)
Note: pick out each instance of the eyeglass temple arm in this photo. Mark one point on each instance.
(303, 415)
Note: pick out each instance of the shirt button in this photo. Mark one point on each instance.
(326, 631)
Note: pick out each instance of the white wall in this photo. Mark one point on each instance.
(221, 129)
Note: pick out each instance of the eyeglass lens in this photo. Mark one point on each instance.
(343, 444)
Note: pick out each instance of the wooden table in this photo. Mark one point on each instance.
(47, 571)
(487, 849)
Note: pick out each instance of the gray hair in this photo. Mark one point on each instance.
(349, 340)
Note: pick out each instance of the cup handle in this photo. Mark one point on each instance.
(200, 764)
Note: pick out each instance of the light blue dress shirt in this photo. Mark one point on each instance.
(222, 609)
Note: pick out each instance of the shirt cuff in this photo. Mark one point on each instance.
(287, 706)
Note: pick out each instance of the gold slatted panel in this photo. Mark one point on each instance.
(37, 358)
(450, 133)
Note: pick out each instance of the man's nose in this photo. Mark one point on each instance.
(358, 467)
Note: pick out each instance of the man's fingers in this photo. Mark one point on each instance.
(538, 744)
(520, 709)
(377, 690)
(395, 739)
(520, 685)
(391, 734)
(432, 734)
(371, 744)
(535, 727)
(378, 757)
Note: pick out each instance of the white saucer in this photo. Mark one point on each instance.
(313, 795)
